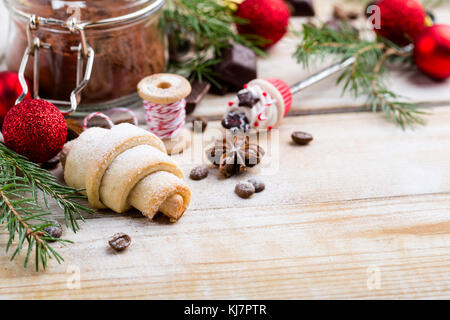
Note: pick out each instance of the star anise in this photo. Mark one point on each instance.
(234, 155)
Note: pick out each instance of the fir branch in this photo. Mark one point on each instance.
(402, 113)
(199, 68)
(22, 226)
(364, 78)
(209, 25)
(23, 214)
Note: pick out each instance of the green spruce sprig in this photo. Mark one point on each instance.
(24, 215)
(365, 77)
(209, 25)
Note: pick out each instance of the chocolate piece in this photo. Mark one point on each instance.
(247, 99)
(224, 89)
(199, 90)
(302, 8)
(236, 121)
(238, 65)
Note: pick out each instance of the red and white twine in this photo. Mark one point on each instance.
(107, 118)
(165, 120)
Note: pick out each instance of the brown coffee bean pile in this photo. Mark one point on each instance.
(120, 241)
(301, 138)
(199, 173)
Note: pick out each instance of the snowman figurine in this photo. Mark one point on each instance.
(260, 105)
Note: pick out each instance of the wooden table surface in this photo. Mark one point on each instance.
(362, 212)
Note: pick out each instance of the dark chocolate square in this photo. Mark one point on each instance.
(238, 65)
(199, 90)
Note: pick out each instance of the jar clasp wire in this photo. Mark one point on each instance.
(85, 53)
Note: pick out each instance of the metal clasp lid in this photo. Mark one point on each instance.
(85, 53)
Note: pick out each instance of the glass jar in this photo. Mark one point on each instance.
(124, 36)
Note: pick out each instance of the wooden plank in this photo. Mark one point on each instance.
(365, 199)
(353, 156)
(375, 248)
(363, 195)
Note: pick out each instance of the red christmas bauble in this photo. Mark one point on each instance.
(35, 129)
(268, 19)
(10, 90)
(401, 21)
(432, 51)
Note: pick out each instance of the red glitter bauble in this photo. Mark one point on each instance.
(432, 51)
(401, 21)
(10, 90)
(268, 19)
(35, 129)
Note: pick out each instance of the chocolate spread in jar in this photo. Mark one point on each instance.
(124, 53)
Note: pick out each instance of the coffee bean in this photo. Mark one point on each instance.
(54, 231)
(244, 189)
(199, 123)
(258, 184)
(301, 138)
(120, 241)
(199, 173)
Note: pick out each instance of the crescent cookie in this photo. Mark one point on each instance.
(126, 167)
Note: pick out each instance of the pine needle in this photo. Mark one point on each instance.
(24, 216)
(209, 25)
(365, 77)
